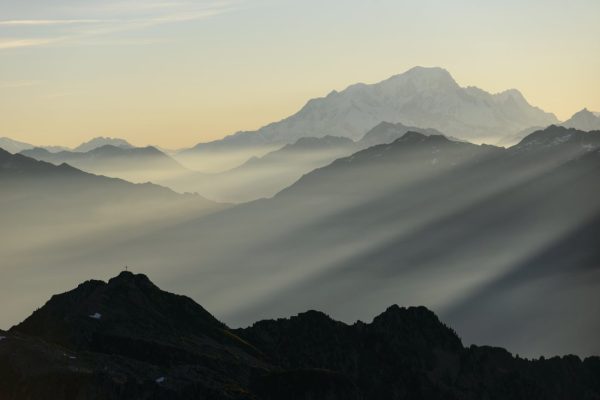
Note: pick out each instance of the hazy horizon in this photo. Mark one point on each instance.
(195, 71)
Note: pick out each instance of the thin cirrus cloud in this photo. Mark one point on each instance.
(107, 19)
(17, 43)
(46, 22)
(18, 84)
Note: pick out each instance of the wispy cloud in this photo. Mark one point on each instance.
(110, 18)
(18, 84)
(133, 6)
(46, 22)
(18, 43)
(58, 95)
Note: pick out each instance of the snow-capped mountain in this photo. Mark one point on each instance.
(424, 97)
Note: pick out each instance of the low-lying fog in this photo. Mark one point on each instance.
(502, 245)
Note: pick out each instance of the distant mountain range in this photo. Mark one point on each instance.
(42, 184)
(15, 146)
(422, 97)
(136, 164)
(475, 232)
(264, 176)
(128, 339)
(583, 120)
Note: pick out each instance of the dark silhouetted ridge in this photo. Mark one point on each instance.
(128, 306)
(418, 327)
(128, 339)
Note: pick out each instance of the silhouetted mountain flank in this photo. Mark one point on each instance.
(128, 339)
(16, 166)
(126, 314)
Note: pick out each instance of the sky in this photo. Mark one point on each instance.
(176, 73)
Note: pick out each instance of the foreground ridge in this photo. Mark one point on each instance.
(126, 339)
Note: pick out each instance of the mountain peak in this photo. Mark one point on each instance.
(423, 78)
(433, 72)
(420, 97)
(102, 141)
(584, 120)
(513, 94)
(418, 137)
(419, 325)
(125, 305)
(584, 112)
(395, 313)
(160, 352)
(129, 278)
(413, 136)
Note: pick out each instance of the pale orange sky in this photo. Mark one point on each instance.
(178, 73)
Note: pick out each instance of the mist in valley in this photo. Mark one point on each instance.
(475, 232)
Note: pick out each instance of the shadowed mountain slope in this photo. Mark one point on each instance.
(125, 315)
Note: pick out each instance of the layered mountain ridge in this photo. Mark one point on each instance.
(356, 235)
(265, 176)
(136, 164)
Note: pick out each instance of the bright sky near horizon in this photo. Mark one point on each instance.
(175, 73)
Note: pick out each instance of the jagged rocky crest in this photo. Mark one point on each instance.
(128, 339)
